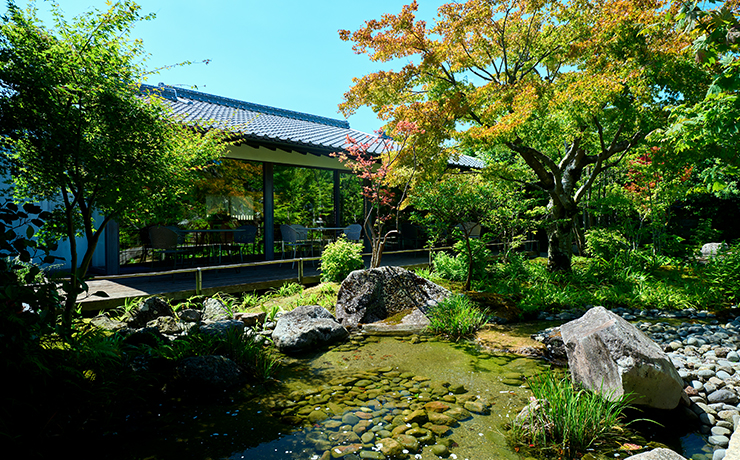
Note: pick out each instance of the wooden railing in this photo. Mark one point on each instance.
(299, 261)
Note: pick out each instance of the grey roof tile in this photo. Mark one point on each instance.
(269, 124)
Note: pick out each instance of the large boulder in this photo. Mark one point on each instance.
(367, 296)
(609, 355)
(660, 453)
(307, 327)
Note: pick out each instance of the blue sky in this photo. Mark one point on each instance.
(281, 53)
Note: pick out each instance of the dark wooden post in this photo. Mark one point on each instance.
(269, 202)
(337, 201)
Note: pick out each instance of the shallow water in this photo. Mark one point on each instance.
(243, 426)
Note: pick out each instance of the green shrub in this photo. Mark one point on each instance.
(568, 420)
(456, 317)
(456, 268)
(722, 273)
(339, 259)
(604, 243)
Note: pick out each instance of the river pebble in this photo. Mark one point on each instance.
(378, 414)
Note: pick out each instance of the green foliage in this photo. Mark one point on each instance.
(339, 259)
(459, 199)
(286, 290)
(722, 273)
(635, 279)
(75, 131)
(569, 420)
(249, 300)
(456, 268)
(456, 317)
(249, 354)
(604, 243)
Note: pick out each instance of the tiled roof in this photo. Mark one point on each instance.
(264, 124)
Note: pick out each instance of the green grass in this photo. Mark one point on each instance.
(455, 317)
(569, 420)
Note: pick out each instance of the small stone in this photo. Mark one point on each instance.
(371, 455)
(721, 441)
(457, 389)
(389, 447)
(476, 407)
(723, 396)
(440, 450)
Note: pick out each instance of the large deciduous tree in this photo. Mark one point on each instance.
(569, 86)
(708, 128)
(76, 131)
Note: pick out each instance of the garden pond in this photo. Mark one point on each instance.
(451, 399)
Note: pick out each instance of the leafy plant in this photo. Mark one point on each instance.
(339, 259)
(566, 419)
(249, 300)
(456, 268)
(456, 317)
(722, 273)
(605, 244)
(243, 349)
(286, 290)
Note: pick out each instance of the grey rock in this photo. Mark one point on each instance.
(104, 322)
(215, 310)
(608, 354)
(733, 450)
(190, 315)
(723, 396)
(720, 431)
(307, 327)
(366, 296)
(657, 454)
(208, 374)
(222, 328)
(148, 310)
(721, 441)
(167, 325)
(719, 454)
(712, 249)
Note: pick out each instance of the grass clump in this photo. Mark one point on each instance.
(456, 317)
(245, 350)
(566, 420)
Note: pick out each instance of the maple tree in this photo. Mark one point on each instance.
(707, 128)
(380, 186)
(570, 87)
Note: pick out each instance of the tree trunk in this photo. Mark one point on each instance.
(560, 245)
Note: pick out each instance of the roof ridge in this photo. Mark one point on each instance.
(172, 93)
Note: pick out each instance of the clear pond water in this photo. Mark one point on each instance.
(250, 424)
